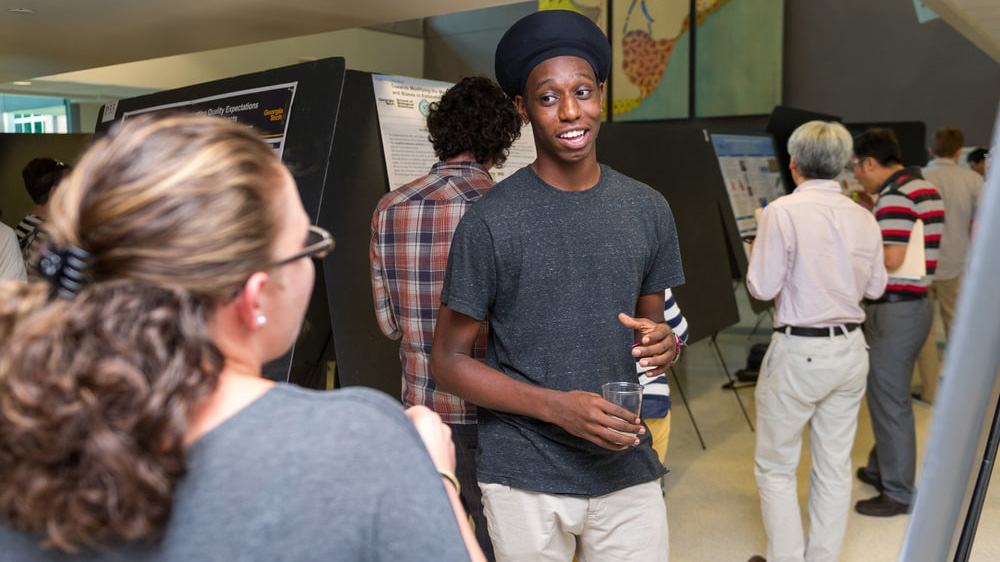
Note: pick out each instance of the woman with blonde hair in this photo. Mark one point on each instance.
(134, 424)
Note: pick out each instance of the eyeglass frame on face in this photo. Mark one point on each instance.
(318, 250)
(854, 163)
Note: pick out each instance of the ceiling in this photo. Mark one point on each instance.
(44, 37)
(63, 36)
(977, 20)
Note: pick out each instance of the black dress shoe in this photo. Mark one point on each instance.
(757, 558)
(864, 477)
(881, 506)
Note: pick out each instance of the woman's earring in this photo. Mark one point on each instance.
(261, 320)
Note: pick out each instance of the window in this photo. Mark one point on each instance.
(45, 115)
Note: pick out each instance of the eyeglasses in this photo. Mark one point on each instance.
(319, 244)
(854, 163)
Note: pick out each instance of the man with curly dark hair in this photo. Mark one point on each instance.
(472, 129)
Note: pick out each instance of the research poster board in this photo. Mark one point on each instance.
(403, 104)
(266, 109)
(750, 169)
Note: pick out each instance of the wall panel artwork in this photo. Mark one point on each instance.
(650, 59)
(738, 56)
(595, 10)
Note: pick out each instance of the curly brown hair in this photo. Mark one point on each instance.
(96, 392)
(474, 116)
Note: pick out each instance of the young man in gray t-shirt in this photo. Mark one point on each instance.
(554, 257)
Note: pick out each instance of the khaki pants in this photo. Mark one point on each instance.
(629, 525)
(815, 384)
(944, 296)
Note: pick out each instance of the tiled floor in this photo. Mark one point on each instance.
(711, 495)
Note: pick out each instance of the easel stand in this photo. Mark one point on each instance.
(732, 382)
(677, 383)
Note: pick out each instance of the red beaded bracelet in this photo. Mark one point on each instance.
(677, 350)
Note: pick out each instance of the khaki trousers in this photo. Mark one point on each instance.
(629, 525)
(944, 296)
(815, 384)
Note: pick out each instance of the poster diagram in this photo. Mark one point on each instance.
(750, 169)
(265, 109)
(403, 105)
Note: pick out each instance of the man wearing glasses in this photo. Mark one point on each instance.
(897, 323)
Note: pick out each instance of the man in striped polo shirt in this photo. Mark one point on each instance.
(897, 324)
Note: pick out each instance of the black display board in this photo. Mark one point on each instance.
(364, 355)
(308, 97)
(911, 135)
(679, 163)
(732, 223)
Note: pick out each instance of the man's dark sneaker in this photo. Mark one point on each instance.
(881, 506)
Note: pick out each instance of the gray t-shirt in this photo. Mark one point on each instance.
(299, 475)
(551, 270)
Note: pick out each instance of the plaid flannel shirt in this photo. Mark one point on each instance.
(412, 229)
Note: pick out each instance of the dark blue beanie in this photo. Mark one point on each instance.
(546, 34)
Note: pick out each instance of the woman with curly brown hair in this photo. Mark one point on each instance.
(134, 424)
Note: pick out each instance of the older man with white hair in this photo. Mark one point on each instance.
(817, 254)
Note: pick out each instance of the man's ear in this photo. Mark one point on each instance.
(522, 110)
(250, 303)
(868, 164)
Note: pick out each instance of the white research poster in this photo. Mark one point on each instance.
(402, 105)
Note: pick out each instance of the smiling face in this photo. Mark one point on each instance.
(562, 101)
